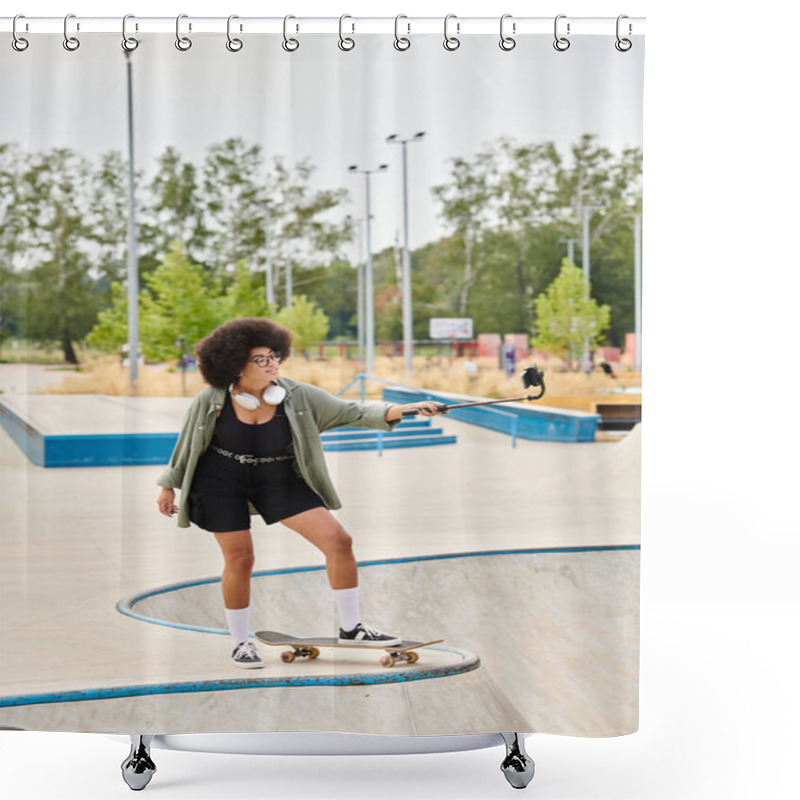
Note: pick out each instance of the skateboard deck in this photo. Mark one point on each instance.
(308, 647)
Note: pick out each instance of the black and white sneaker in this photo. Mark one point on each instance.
(364, 635)
(244, 655)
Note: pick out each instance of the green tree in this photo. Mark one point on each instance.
(172, 209)
(246, 296)
(12, 239)
(465, 203)
(524, 193)
(179, 303)
(567, 316)
(110, 331)
(308, 323)
(62, 295)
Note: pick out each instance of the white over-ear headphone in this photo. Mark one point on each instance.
(273, 395)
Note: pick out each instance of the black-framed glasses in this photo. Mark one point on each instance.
(262, 361)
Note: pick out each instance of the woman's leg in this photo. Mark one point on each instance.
(321, 528)
(237, 550)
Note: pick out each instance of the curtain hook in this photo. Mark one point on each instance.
(129, 43)
(70, 42)
(401, 42)
(346, 43)
(623, 45)
(17, 42)
(561, 43)
(290, 45)
(507, 42)
(451, 42)
(183, 43)
(233, 45)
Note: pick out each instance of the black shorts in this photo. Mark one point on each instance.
(221, 490)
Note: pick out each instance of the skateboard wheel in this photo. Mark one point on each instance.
(412, 658)
(313, 652)
(388, 661)
(287, 657)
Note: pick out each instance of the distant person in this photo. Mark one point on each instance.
(250, 442)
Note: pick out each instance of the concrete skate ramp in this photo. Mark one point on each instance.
(556, 630)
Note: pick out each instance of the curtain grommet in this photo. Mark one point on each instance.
(71, 43)
(233, 45)
(183, 43)
(346, 43)
(623, 45)
(451, 43)
(289, 44)
(19, 43)
(507, 43)
(129, 43)
(561, 43)
(401, 43)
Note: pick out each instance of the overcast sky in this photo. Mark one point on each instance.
(320, 103)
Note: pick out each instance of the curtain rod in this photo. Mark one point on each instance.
(406, 25)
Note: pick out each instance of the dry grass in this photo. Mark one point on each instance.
(106, 376)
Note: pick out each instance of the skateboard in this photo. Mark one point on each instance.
(308, 647)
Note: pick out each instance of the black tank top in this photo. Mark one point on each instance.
(269, 439)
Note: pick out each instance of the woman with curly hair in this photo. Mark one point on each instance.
(250, 442)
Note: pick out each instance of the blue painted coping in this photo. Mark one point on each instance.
(532, 422)
(365, 433)
(388, 443)
(468, 663)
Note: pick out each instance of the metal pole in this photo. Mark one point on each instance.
(408, 322)
(360, 299)
(586, 211)
(637, 257)
(269, 280)
(570, 249)
(289, 288)
(133, 259)
(369, 290)
(408, 325)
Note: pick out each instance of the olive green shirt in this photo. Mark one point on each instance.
(310, 411)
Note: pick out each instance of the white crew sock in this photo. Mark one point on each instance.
(347, 602)
(238, 619)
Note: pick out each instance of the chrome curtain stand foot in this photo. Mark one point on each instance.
(518, 766)
(138, 768)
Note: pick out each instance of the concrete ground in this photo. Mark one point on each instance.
(556, 633)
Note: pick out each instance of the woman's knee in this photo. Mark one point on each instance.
(240, 560)
(340, 540)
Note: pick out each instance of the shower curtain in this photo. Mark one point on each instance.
(428, 221)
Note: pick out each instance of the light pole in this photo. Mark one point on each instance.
(570, 248)
(637, 287)
(133, 257)
(369, 290)
(408, 323)
(270, 287)
(288, 278)
(586, 213)
(359, 223)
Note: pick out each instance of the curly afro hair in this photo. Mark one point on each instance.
(223, 354)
